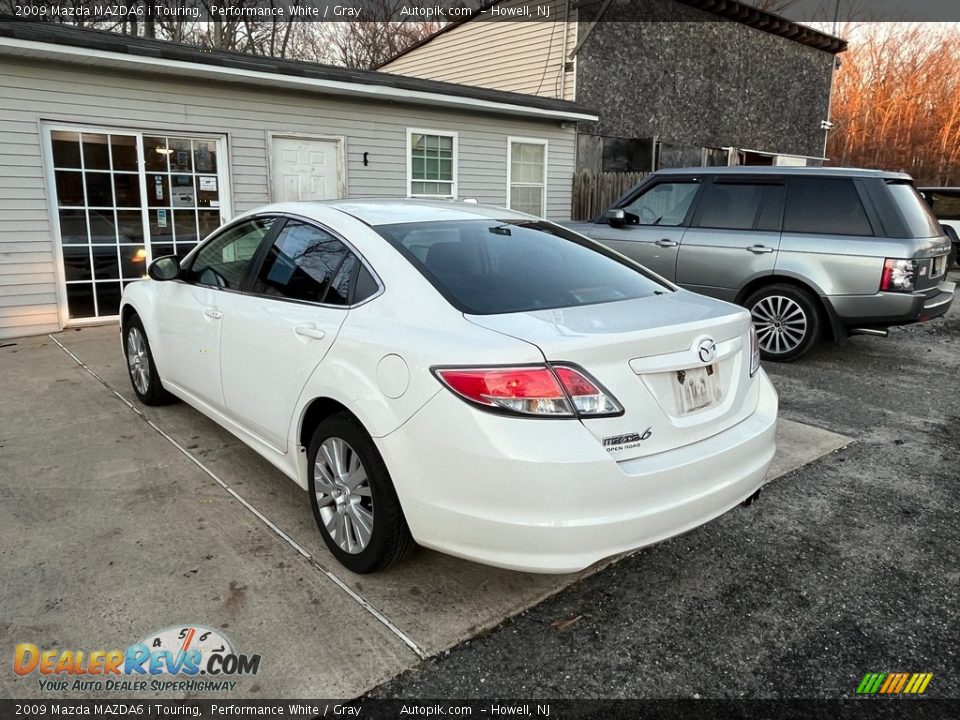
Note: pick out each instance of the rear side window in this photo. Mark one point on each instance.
(307, 263)
(916, 213)
(741, 206)
(825, 206)
(487, 267)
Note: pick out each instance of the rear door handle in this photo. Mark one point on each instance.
(310, 332)
(759, 249)
(665, 243)
(211, 313)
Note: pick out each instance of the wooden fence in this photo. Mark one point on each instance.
(594, 192)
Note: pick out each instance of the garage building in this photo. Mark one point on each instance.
(117, 149)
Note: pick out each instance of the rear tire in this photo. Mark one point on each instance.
(787, 320)
(140, 365)
(353, 499)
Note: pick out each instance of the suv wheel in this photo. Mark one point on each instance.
(787, 322)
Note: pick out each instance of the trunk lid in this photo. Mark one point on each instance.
(647, 354)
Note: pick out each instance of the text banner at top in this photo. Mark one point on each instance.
(455, 11)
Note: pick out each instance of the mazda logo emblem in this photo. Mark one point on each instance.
(707, 350)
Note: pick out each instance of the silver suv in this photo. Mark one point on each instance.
(812, 252)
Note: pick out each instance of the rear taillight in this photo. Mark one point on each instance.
(754, 351)
(898, 275)
(560, 391)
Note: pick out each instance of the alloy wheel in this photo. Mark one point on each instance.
(343, 495)
(780, 322)
(138, 360)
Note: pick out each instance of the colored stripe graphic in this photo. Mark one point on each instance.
(894, 683)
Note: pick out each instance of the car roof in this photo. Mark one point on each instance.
(389, 211)
(785, 170)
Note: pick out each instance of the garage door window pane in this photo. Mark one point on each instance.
(205, 156)
(96, 152)
(130, 226)
(99, 189)
(80, 301)
(69, 188)
(133, 261)
(76, 263)
(108, 298)
(208, 222)
(106, 265)
(180, 160)
(73, 227)
(155, 153)
(66, 149)
(123, 152)
(126, 188)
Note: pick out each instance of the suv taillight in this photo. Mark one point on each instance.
(560, 391)
(898, 275)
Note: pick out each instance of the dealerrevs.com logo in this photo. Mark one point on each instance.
(181, 658)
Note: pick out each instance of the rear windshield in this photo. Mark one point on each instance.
(487, 267)
(916, 213)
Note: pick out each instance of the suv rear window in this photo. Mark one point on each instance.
(487, 267)
(916, 213)
(825, 206)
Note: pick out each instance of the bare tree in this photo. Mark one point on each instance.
(896, 101)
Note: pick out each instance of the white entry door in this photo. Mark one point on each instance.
(305, 169)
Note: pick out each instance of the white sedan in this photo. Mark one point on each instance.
(468, 378)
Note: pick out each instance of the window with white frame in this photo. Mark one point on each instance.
(431, 163)
(527, 175)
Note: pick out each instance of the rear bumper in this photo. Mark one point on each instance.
(544, 496)
(884, 309)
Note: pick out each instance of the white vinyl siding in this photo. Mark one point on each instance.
(431, 163)
(527, 175)
(64, 95)
(523, 56)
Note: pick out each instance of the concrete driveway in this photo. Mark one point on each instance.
(117, 521)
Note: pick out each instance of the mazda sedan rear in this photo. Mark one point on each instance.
(471, 379)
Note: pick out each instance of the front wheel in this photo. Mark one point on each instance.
(140, 366)
(787, 322)
(353, 499)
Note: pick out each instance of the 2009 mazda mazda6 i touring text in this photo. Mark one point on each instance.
(467, 378)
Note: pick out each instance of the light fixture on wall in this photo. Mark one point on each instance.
(826, 125)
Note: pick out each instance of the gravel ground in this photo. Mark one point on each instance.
(846, 566)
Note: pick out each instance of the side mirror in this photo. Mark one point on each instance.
(616, 217)
(164, 268)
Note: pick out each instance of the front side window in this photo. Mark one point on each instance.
(825, 206)
(665, 203)
(307, 263)
(487, 267)
(432, 158)
(528, 176)
(223, 262)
